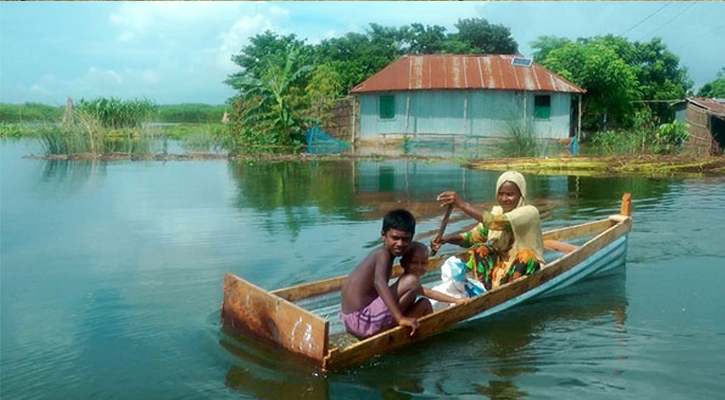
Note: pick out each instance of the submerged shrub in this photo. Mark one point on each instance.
(521, 141)
(617, 142)
(11, 130)
(87, 134)
(671, 137)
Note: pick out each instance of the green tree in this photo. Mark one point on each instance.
(610, 83)
(270, 113)
(545, 44)
(30, 112)
(357, 56)
(715, 88)
(321, 91)
(482, 37)
(265, 48)
(420, 39)
(658, 72)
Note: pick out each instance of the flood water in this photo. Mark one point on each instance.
(111, 282)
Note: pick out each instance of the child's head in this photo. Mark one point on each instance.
(398, 231)
(415, 259)
(399, 219)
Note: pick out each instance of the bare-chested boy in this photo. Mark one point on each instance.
(369, 305)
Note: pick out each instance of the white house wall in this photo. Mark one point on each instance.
(462, 112)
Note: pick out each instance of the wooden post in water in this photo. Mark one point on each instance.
(626, 208)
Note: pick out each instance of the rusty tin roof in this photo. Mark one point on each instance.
(713, 106)
(456, 71)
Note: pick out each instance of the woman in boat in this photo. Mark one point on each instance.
(507, 241)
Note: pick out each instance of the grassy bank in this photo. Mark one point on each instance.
(650, 165)
(111, 125)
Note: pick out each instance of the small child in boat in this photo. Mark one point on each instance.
(415, 263)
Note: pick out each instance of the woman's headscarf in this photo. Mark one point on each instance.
(518, 180)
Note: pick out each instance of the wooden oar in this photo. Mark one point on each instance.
(443, 227)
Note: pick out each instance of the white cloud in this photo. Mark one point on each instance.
(237, 36)
(137, 19)
(192, 41)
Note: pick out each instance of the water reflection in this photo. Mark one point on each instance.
(493, 354)
(269, 373)
(508, 337)
(72, 176)
(358, 188)
(300, 190)
(365, 190)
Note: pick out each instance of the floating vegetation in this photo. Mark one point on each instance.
(87, 135)
(100, 126)
(650, 165)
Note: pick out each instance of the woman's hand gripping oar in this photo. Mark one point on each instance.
(442, 229)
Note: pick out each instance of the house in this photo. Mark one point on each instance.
(706, 124)
(465, 95)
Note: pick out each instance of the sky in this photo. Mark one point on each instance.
(180, 52)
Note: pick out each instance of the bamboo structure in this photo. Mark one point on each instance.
(68, 113)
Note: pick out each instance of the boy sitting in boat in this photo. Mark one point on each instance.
(415, 264)
(369, 305)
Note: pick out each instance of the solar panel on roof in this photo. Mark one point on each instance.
(524, 62)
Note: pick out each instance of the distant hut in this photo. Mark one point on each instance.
(466, 96)
(706, 120)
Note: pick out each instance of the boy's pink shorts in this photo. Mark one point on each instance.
(369, 321)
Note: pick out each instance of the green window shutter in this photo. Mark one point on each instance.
(542, 107)
(387, 107)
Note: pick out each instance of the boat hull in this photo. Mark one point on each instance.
(601, 263)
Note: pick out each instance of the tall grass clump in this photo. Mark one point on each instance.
(618, 142)
(114, 113)
(100, 126)
(88, 136)
(520, 140)
(85, 134)
(663, 139)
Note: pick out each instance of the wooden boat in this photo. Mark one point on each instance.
(303, 319)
